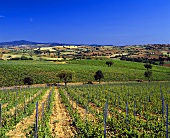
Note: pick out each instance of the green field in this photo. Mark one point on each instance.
(13, 72)
(133, 109)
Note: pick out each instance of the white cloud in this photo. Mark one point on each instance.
(1, 16)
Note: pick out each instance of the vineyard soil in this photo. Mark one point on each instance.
(60, 121)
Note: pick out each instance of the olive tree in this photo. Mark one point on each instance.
(98, 76)
(148, 66)
(109, 63)
(28, 81)
(66, 76)
(148, 74)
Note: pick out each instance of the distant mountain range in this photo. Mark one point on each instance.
(20, 42)
(24, 42)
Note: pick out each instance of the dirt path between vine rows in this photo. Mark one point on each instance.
(23, 125)
(60, 120)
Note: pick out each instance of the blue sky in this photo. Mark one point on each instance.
(116, 22)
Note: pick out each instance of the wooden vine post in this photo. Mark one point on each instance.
(36, 122)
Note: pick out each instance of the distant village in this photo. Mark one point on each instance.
(153, 52)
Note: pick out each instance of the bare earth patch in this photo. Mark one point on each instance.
(60, 62)
(60, 121)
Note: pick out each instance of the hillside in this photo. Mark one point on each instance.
(13, 72)
(20, 42)
(25, 42)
